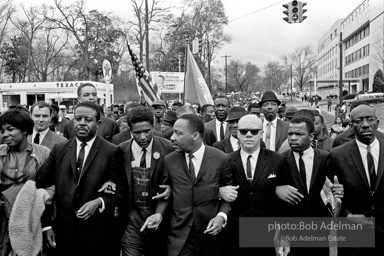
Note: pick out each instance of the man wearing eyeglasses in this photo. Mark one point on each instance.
(255, 170)
(359, 165)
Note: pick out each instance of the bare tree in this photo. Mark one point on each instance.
(6, 11)
(30, 26)
(303, 61)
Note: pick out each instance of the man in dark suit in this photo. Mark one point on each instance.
(255, 170)
(359, 165)
(194, 172)
(143, 161)
(219, 127)
(78, 168)
(41, 114)
(304, 178)
(275, 130)
(107, 127)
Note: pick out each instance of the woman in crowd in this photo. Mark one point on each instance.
(19, 162)
(336, 128)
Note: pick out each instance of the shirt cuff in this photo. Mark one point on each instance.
(47, 228)
(102, 205)
(225, 218)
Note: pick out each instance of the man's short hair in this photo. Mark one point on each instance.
(222, 97)
(204, 108)
(131, 106)
(357, 103)
(195, 123)
(82, 86)
(306, 112)
(42, 104)
(90, 105)
(304, 119)
(140, 114)
(55, 107)
(177, 103)
(186, 109)
(19, 119)
(252, 105)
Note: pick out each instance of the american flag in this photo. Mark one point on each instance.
(143, 80)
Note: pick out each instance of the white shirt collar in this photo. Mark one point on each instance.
(198, 154)
(255, 154)
(89, 143)
(374, 144)
(306, 152)
(42, 134)
(137, 148)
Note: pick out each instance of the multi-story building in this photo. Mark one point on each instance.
(362, 49)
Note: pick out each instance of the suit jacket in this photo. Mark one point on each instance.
(226, 146)
(76, 236)
(194, 204)
(209, 138)
(126, 135)
(212, 125)
(311, 205)
(281, 133)
(349, 135)
(160, 145)
(50, 139)
(106, 130)
(346, 162)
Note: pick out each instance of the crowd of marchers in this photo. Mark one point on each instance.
(175, 180)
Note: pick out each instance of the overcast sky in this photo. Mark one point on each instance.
(259, 37)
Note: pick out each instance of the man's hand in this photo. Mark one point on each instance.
(49, 237)
(108, 188)
(337, 188)
(289, 194)
(152, 222)
(229, 193)
(360, 219)
(284, 248)
(88, 209)
(215, 225)
(165, 195)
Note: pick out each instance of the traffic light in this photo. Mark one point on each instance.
(288, 12)
(295, 11)
(302, 11)
(201, 44)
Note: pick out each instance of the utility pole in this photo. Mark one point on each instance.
(146, 36)
(291, 82)
(341, 69)
(226, 72)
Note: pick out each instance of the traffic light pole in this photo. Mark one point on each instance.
(226, 73)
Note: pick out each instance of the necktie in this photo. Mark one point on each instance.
(238, 144)
(249, 168)
(268, 136)
(80, 159)
(314, 143)
(191, 168)
(371, 168)
(143, 163)
(302, 170)
(221, 131)
(36, 140)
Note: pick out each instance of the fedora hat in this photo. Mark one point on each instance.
(235, 113)
(269, 96)
(170, 116)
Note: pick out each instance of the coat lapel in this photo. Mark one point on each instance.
(72, 156)
(380, 168)
(356, 158)
(91, 155)
(228, 146)
(239, 168)
(128, 161)
(205, 163)
(316, 166)
(156, 148)
(261, 161)
(278, 132)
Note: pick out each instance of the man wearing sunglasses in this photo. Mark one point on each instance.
(359, 165)
(255, 169)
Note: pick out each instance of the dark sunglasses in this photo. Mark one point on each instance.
(245, 131)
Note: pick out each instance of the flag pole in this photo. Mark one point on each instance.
(185, 68)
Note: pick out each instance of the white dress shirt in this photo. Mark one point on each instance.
(42, 135)
(272, 140)
(137, 153)
(234, 143)
(375, 152)
(308, 156)
(218, 124)
(244, 157)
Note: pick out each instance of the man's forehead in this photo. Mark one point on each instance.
(250, 122)
(362, 111)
